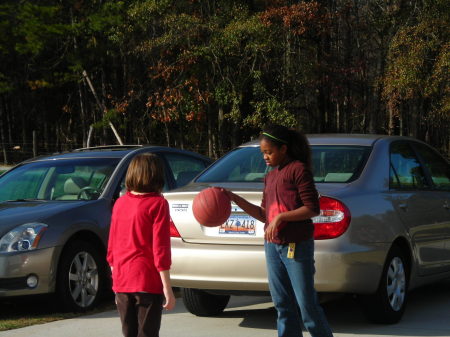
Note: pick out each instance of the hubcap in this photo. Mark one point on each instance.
(396, 284)
(83, 279)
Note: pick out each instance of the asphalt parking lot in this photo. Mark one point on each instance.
(427, 314)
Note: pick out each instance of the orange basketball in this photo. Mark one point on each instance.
(211, 207)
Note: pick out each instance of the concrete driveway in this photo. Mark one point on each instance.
(427, 314)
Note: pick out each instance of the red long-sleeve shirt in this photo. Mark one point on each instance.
(139, 242)
(285, 189)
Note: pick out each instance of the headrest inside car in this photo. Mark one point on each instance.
(73, 185)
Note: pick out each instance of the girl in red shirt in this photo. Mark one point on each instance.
(139, 249)
(289, 202)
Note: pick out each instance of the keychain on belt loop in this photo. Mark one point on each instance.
(291, 250)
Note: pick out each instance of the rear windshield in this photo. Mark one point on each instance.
(338, 164)
(68, 179)
(331, 164)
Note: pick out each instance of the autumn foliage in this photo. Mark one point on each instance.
(207, 75)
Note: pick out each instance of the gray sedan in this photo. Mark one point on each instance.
(54, 219)
(384, 226)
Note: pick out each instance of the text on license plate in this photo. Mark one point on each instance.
(239, 224)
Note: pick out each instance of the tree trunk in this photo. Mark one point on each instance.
(9, 122)
(166, 129)
(34, 144)
(210, 138)
(181, 127)
(24, 134)
(2, 132)
(101, 105)
(46, 135)
(391, 125)
(338, 117)
(220, 120)
(83, 116)
(89, 137)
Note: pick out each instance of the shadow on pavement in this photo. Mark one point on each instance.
(427, 314)
(43, 305)
(254, 318)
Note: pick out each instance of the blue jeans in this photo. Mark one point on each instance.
(291, 282)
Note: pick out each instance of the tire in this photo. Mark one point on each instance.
(201, 303)
(81, 277)
(388, 303)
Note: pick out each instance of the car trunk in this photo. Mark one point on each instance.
(240, 228)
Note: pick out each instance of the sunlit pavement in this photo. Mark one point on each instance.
(427, 314)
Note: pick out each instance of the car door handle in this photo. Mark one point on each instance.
(403, 207)
(446, 206)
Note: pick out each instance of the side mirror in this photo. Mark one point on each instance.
(123, 191)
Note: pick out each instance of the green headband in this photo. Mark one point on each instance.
(273, 137)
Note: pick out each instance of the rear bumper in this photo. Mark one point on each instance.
(355, 269)
(15, 268)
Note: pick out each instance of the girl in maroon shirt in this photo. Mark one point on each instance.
(289, 202)
(139, 249)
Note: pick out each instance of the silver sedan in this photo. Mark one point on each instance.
(384, 226)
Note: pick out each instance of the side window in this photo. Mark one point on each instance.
(436, 165)
(22, 183)
(338, 164)
(184, 168)
(405, 169)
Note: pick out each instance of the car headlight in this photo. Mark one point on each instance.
(22, 238)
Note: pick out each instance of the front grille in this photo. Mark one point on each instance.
(13, 283)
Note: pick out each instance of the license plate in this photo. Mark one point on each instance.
(239, 224)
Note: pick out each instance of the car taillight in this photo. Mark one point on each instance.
(333, 220)
(174, 231)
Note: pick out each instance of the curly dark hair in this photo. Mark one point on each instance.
(296, 142)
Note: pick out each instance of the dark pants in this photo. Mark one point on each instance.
(140, 313)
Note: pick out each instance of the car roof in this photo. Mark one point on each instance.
(339, 139)
(114, 151)
(344, 139)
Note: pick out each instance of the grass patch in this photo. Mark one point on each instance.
(15, 323)
(25, 312)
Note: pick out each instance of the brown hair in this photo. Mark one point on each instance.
(145, 174)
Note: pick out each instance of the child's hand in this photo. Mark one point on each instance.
(272, 229)
(170, 300)
(230, 194)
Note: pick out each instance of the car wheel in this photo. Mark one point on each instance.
(201, 303)
(80, 277)
(388, 303)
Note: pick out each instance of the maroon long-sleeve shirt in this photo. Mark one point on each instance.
(139, 243)
(285, 189)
